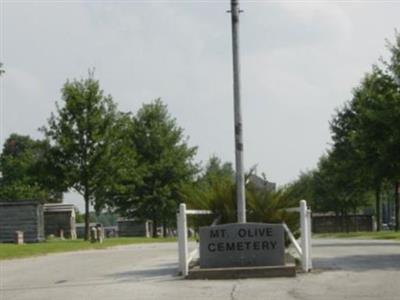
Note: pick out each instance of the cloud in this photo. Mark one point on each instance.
(269, 26)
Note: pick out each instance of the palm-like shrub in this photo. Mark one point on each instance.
(262, 206)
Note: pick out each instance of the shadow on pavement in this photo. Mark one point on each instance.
(359, 263)
(356, 244)
(161, 273)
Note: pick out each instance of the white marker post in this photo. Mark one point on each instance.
(305, 236)
(183, 240)
(309, 226)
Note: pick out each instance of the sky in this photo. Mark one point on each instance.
(300, 61)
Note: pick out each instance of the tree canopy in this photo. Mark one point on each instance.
(166, 162)
(27, 172)
(366, 142)
(80, 133)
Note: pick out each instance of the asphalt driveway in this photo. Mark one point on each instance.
(343, 269)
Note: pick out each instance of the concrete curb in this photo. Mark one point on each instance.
(242, 272)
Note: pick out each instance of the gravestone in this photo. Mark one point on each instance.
(19, 237)
(93, 234)
(61, 234)
(242, 245)
(100, 234)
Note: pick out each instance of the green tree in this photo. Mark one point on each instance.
(336, 187)
(167, 164)
(393, 68)
(118, 193)
(373, 136)
(80, 133)
(366, 131)
(120, 171)
(302, 188)
(27, 174)
(215, 170)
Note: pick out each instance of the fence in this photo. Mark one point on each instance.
(184, 256)
(324, 223)
(303, 249)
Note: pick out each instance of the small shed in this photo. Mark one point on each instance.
(132, 228)
(57, 217)
(26, 216)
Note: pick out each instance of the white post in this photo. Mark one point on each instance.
(304, 235)
(309, 225)
(182, 240)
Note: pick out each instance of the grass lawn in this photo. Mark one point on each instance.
(381, 235)
(8, 251)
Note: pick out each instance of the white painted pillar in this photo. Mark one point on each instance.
(182, 240)
(309, 244)
(304, 236)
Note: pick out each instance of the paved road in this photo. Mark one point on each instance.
(344, 269)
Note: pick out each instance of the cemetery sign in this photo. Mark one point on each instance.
(242, 245)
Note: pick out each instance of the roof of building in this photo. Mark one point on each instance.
(19, 203)
(59, 207)
(261, 183)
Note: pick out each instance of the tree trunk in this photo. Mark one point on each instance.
(342, 221)
(397, 206)
(355, 219)
(378, 208)
(337, 221)
(164, 228)
(87, 229)
(155, 225)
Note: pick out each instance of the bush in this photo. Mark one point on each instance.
(262, 206)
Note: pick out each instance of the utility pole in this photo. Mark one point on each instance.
(240, 184)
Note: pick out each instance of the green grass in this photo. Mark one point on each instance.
(9, 251)
(381, 235)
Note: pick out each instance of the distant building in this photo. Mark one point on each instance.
(57, 217)
(24, 216)
(132, 228)
(262, 184)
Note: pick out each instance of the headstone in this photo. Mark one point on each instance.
(93, 235)
(100, 234)
(61, 234)
(19, 237)
(242, 245)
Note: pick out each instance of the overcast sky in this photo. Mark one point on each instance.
(300, 61)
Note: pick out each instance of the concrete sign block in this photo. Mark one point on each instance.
(242, 245)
